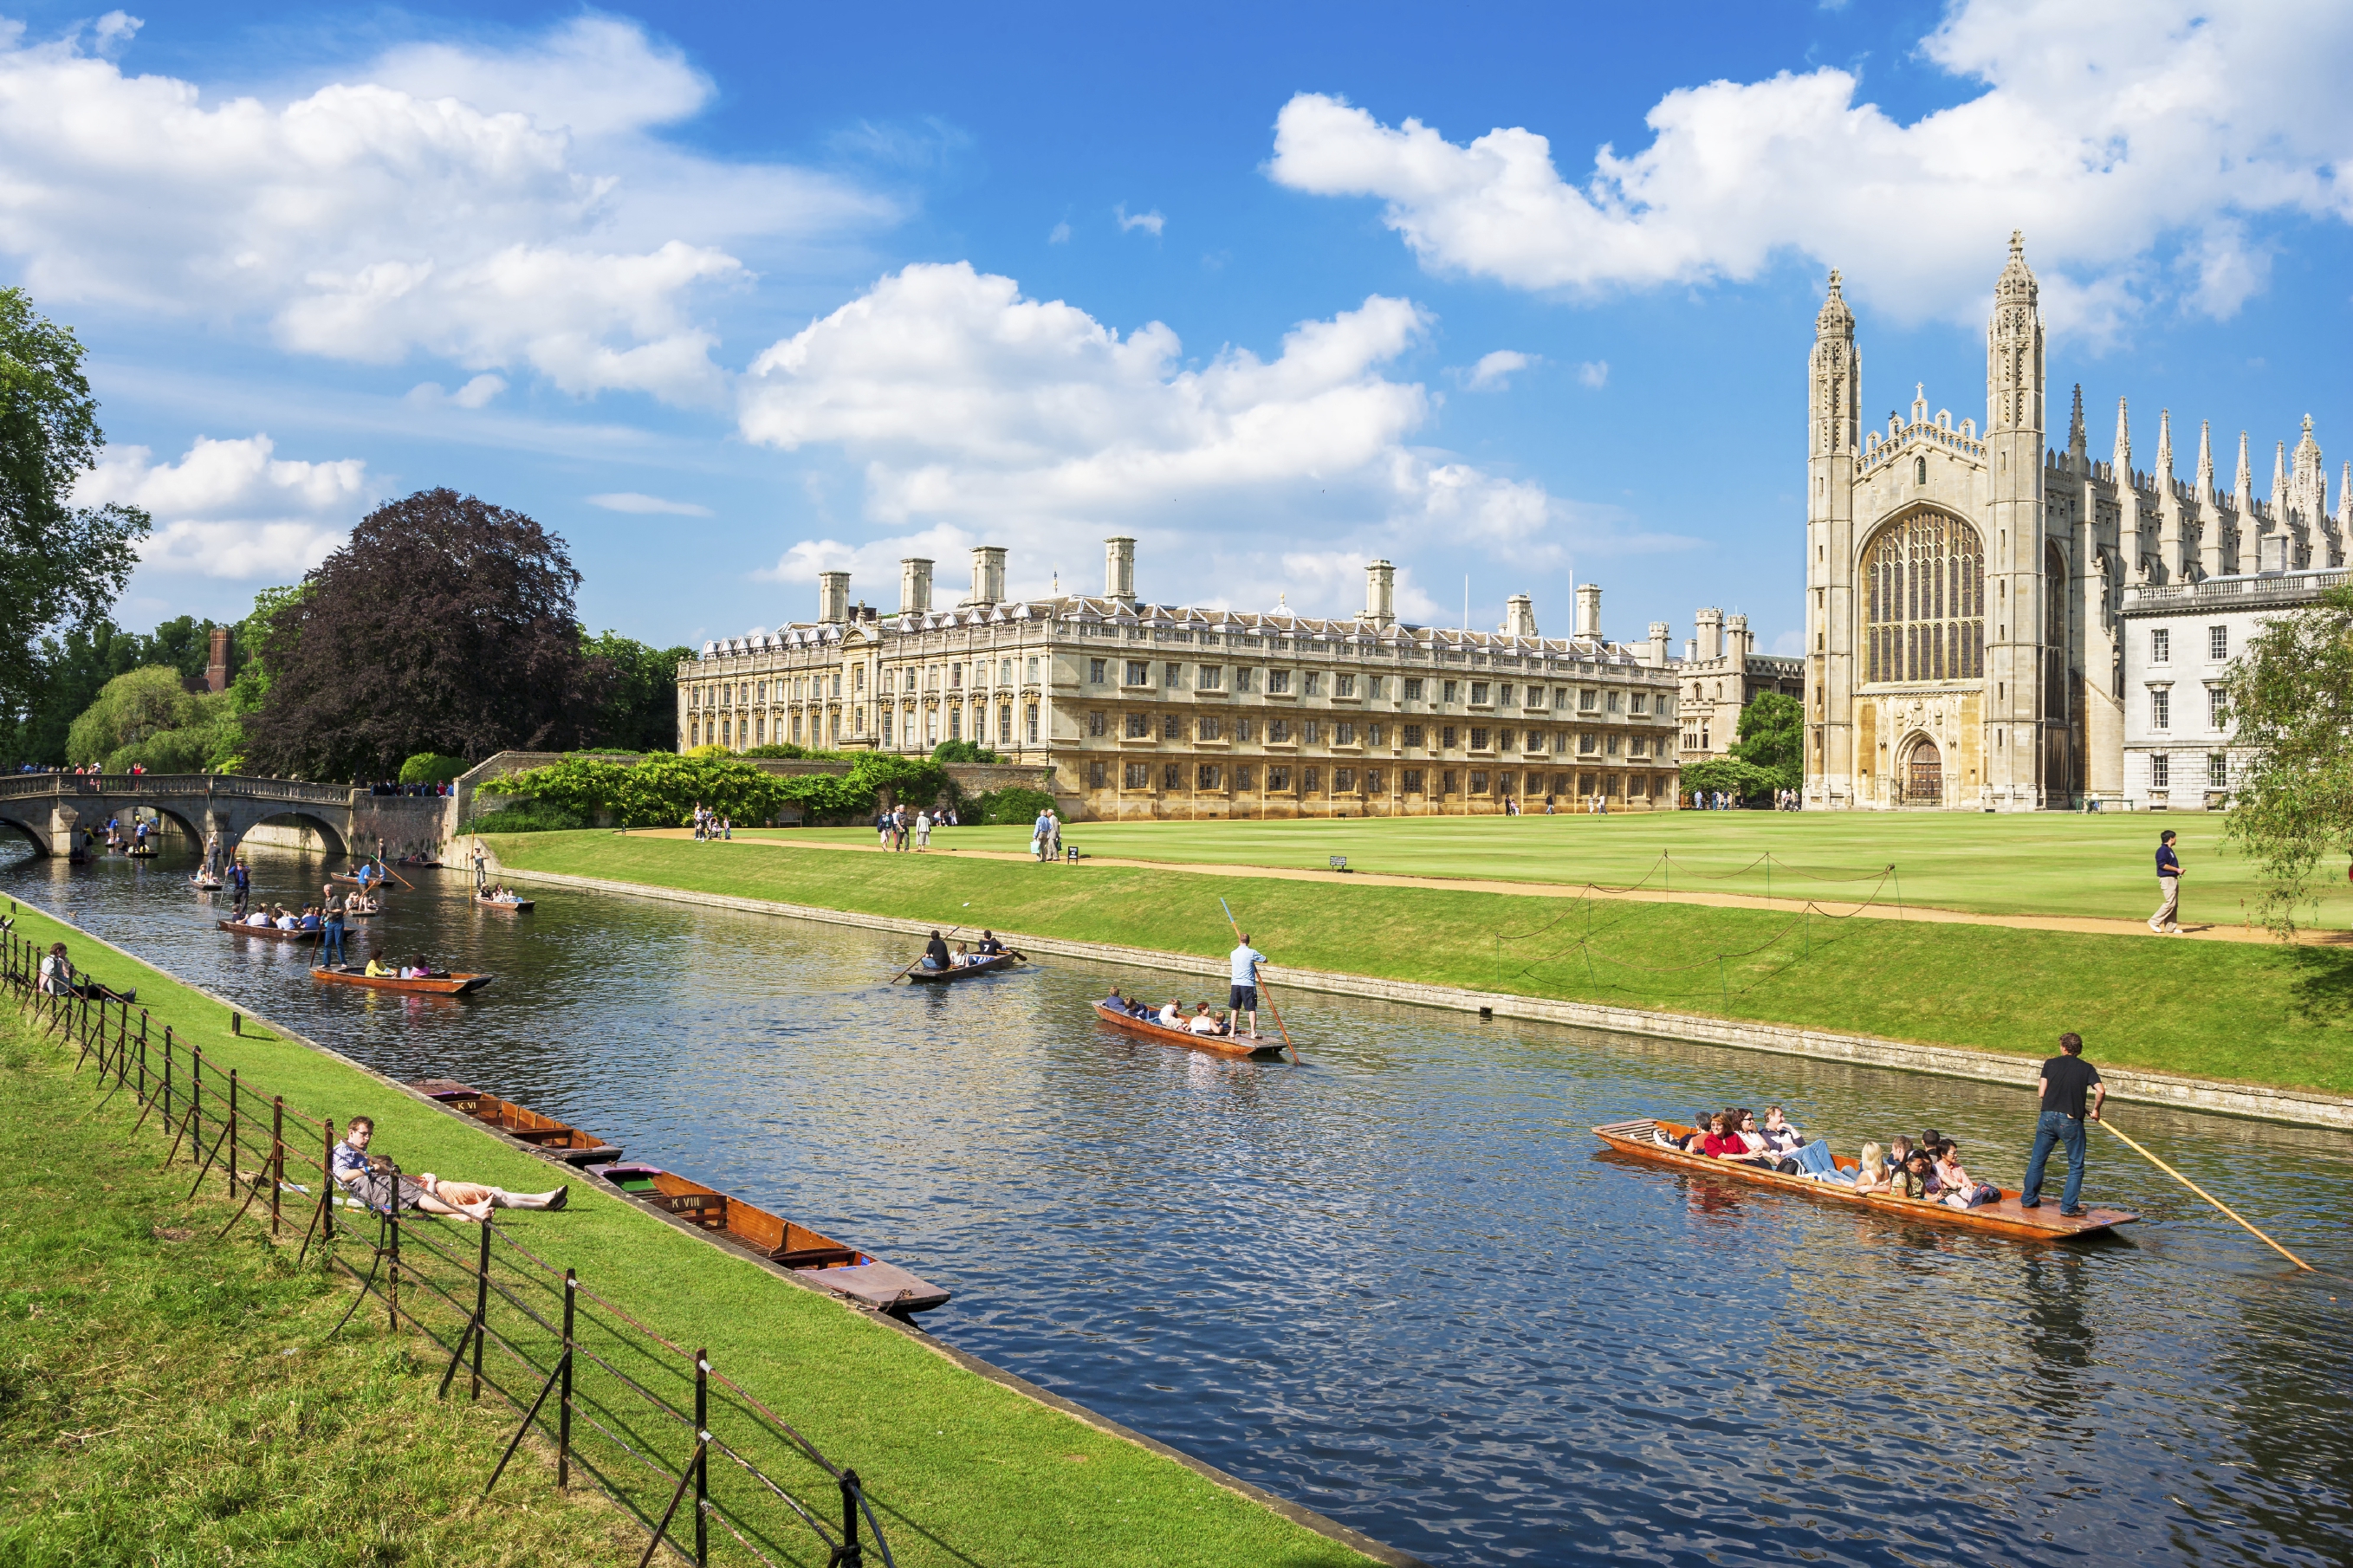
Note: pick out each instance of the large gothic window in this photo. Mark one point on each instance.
(1924, 601)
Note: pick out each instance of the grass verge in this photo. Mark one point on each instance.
(963, 1469)
(2244, 1012)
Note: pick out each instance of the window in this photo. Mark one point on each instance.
(1033, 679)
(1446, 782)
(1241, 778)
(1450, 687)
(955, 724)
(1309, 780)
(837, 683)
(1005, 672)
(1343, 779)
(1560, 783)
(886, 726)
(1373, 781)
(1095, 721)
(1138, 775)
(1095, 671)
(2218, 708)
(1478, 693)
(2158, 770)
(1413, 736)
(858, 679)
(1138, 673)
(2218, 643)
(1310, 731)
(1278, 681)
(1588, 701)
(2217, 770)
(955, 676)
(1413, 694)
(2160, 646)
(1172, 776)
(888, 677)
(1617, 702)
(1210, 678)
(1638, 747)
(1343, 686)
(1278, 780)
(2160, 707)
(1378, 683)
(1535, 696)
(1642, 700)
(1343, 734)
(1278, 731)
(760, 728)
(1139, 726)
(1245, 728)
(1446, 738)
(1172, 728)
(1479, 736)
(1206, 776)
(1637, 785)
(1587, 743)
(1208, 726)
(1478, 783)
(1095, 773)
(1310, 683)
(1585, 784)
(1923, 590)
(695, 732)
(1173, 675)
(1373, 734)
(1503, 695)
(1609, 745)
(1413, 781)
(1242, 679)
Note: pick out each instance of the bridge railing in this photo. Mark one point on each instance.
(216, 786)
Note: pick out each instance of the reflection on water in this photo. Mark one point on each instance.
(1402, 1284)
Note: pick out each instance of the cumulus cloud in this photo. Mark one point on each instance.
(2106, 131)
(646, 505)
(1494, 371)
(233, 509)
(1152, 222)
(1594, 373)
(984, 415)
(503, 210)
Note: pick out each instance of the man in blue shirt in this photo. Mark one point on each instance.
(2167, 921)
(1243, 996)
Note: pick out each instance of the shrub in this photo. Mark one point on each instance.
(529, 816)
(1016, 803)
(433, 768)
(963, 752)
(1745, 780)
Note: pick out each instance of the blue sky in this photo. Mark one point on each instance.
(728, 296)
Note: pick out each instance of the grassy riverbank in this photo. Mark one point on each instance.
(2039, 863)
(2247, 1012)
(963, 1469)
(166, 1397)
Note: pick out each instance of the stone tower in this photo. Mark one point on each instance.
(2020, 747)
(1834, 421)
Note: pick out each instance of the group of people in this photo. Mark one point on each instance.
(1171, 1014)
(497, 893)
(897, 831)
(711, 826)
(392, 786)
(1592, 805)
(937, 956)
(1046, 836)
(415, 969)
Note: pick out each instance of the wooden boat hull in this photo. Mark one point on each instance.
(269, 933)
(990, 965)
(844, 1270)
(2001, 1218)
(520, 1122)
(455, 985)
(516, 907)
(204, 885)
(1215, 1045)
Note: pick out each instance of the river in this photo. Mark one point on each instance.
(1400, 1283)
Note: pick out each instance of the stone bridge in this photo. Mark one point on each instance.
(51, 809)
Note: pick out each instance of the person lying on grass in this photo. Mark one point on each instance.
(369, 1177)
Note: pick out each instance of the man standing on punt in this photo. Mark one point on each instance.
(2065, 1078)
(1243, 996)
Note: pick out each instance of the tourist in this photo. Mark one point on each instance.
(1723, 1141)
(287, 920)
(1870, 1171)
(1754, 1136)
(1115, 1001)
(989, 947)
(2065, 1080)
(963, 956)
(1202, 1022)
(1041, 834)
(1172, 1014)
(1910, 1180)
(922, 831)
(2167, 921)
(371, 1180)
(57, 972)
(1955, 1185)
(882, 830)
(727, 828)
(1779, 1136)
(378, 970)
(899, 825)
(935, 952)
(1899, 1152)
(331, 950)
(1242, 994)
(311, 920)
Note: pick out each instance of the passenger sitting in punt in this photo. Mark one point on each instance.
(935, 953)
(1723, 1141)
(1870, 1171)
(417, 968)
(1954, 1189)
(963, 959)
(989, 946)
(310, 917)
(1172, 1014)
(1205, 1022)
(1911, 1179)
(286, 920)
(1779, 1136)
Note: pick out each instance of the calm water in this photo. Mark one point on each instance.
(1400, 1283)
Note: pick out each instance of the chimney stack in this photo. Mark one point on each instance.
(1119, 569)
(987, 575)
(1588, 611)
(217, 666)
(1520, 616)
(2270, 553)
(1656, 657)
(915, 586)
(1380, 594)
(833, 598)
(1711, 634)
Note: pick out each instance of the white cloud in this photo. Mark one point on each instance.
(232, 508)
(631, 501)
(503, 210)
(2106, 131)
(475, 393)
(1594, 373)
(1152, 222)
(1494, 371)
(986, 416)
(1060, 233)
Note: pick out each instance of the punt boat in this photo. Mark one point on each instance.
(270, 932)
(2004, 1218)
(508, 904)
(525, 1125)
(996, 960)
(823, 1261)
(1216, 1044)
(205, 884)
(452, 984)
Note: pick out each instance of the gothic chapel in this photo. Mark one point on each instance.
(1962, 590)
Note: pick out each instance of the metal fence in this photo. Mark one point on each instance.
(641, 1416)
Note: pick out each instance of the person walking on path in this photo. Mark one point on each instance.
(1054, 842)
(922, 831)
(1040, 835)
(2167, 921)
(1243, 996)
(2065, 1079)
(331, 946)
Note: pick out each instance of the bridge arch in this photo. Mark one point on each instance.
(37, 837)
(295, 816)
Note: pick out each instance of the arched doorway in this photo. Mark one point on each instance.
(1923, 775)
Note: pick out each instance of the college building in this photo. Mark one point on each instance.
(1172, 712)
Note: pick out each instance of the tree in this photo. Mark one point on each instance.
(59, 563)
(2291, 701)
(150, 717)
(444, 625)
(1772, 737)
(1740, 779)
(636, 703)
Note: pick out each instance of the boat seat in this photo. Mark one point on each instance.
(815, 1257)
(881, 1286)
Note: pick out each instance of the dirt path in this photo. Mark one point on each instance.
(2082, 924)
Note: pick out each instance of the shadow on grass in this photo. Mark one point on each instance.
(2321, 989)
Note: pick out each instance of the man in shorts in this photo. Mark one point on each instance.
(1243, 996)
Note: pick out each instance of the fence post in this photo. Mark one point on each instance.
(702, 1457)
(232, 1131)
(195, 1092)
(327, 1186)
(277, 1158)
(851, 1554)
(481, 1307)
(143, 1055)
(121, 1040)
(167, 1074)
(563, 1405)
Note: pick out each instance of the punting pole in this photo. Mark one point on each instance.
(1270, 990)
(2209, 1197)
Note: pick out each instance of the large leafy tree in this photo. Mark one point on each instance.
(1772, 737)
(636, 694)
(61, 565)
(2291, 700)
(444, 625)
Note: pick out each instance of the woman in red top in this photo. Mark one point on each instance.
(1723, 1141)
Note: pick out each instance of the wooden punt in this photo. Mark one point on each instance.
(2004, 1218)
(270, 932)
(520, 1122)
(453, 985)
(1216, 1044)
(205, 884)
(844, 1270)
(510, 905)
(922, 976)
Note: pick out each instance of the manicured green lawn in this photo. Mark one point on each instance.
(2038, 863)
(963, 1469)
(2256, 1013)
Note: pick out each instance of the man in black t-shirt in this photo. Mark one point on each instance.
(2067, 1080)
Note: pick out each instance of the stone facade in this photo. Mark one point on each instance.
(1721, 673)
(1163, 711)
(1965, 592)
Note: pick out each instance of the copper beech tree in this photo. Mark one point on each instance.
(444, 625)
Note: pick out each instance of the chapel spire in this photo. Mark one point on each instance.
(2014, 347)
(2164, 447)
(2075, 425)
(1836, 394)
(2243, 488)
(2122, 458)
(2205, 460)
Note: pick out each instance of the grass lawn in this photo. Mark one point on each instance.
(2028, 863)
(962, 1469)
(2255, 1013)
